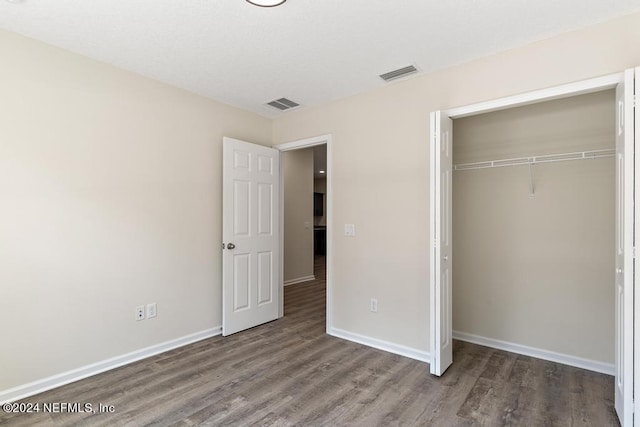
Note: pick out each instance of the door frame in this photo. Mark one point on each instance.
(298, 145)
(562, 91)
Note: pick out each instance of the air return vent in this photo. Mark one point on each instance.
(400, 72)
(283, 104)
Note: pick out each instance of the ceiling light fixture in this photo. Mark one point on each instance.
(266, 3)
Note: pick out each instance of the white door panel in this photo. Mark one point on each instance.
(441, 231)
(624, 250)
(250, 224)
(636, 227)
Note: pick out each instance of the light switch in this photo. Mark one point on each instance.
(307, 224)
(349, 230)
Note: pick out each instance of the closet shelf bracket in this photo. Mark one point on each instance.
(532, 186)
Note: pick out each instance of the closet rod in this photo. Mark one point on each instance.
(549, 158)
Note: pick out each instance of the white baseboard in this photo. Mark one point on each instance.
(44, 384)
(402, 350)
(299, 280)
(566, 359)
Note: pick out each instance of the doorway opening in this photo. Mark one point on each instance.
(304, 192)
(533, 230)
(306, 213)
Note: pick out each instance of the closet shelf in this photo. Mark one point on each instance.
(549, 158)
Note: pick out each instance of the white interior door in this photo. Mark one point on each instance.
(440, 233)
(250, 233)
(624, 249)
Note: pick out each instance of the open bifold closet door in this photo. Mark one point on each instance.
(624, 274)
(440, 240)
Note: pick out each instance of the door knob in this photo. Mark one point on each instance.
(230, 246)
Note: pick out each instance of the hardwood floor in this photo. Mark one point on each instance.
(289, 372)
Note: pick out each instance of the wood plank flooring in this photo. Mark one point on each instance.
(289, 372)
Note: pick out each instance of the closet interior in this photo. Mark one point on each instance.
(533, 226)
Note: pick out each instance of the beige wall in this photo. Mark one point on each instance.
(578, 123)
(110, 187)
(110, 192)
(298, 214)
(537, 271)
(380, 169)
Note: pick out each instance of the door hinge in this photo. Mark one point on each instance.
(633, 252)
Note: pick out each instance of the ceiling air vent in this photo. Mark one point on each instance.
(283, 104)
(400, 72)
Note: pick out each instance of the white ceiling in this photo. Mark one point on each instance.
(310, 51)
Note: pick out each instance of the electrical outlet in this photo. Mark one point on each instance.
(152, 310)
(140, 312)
(374, 305)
